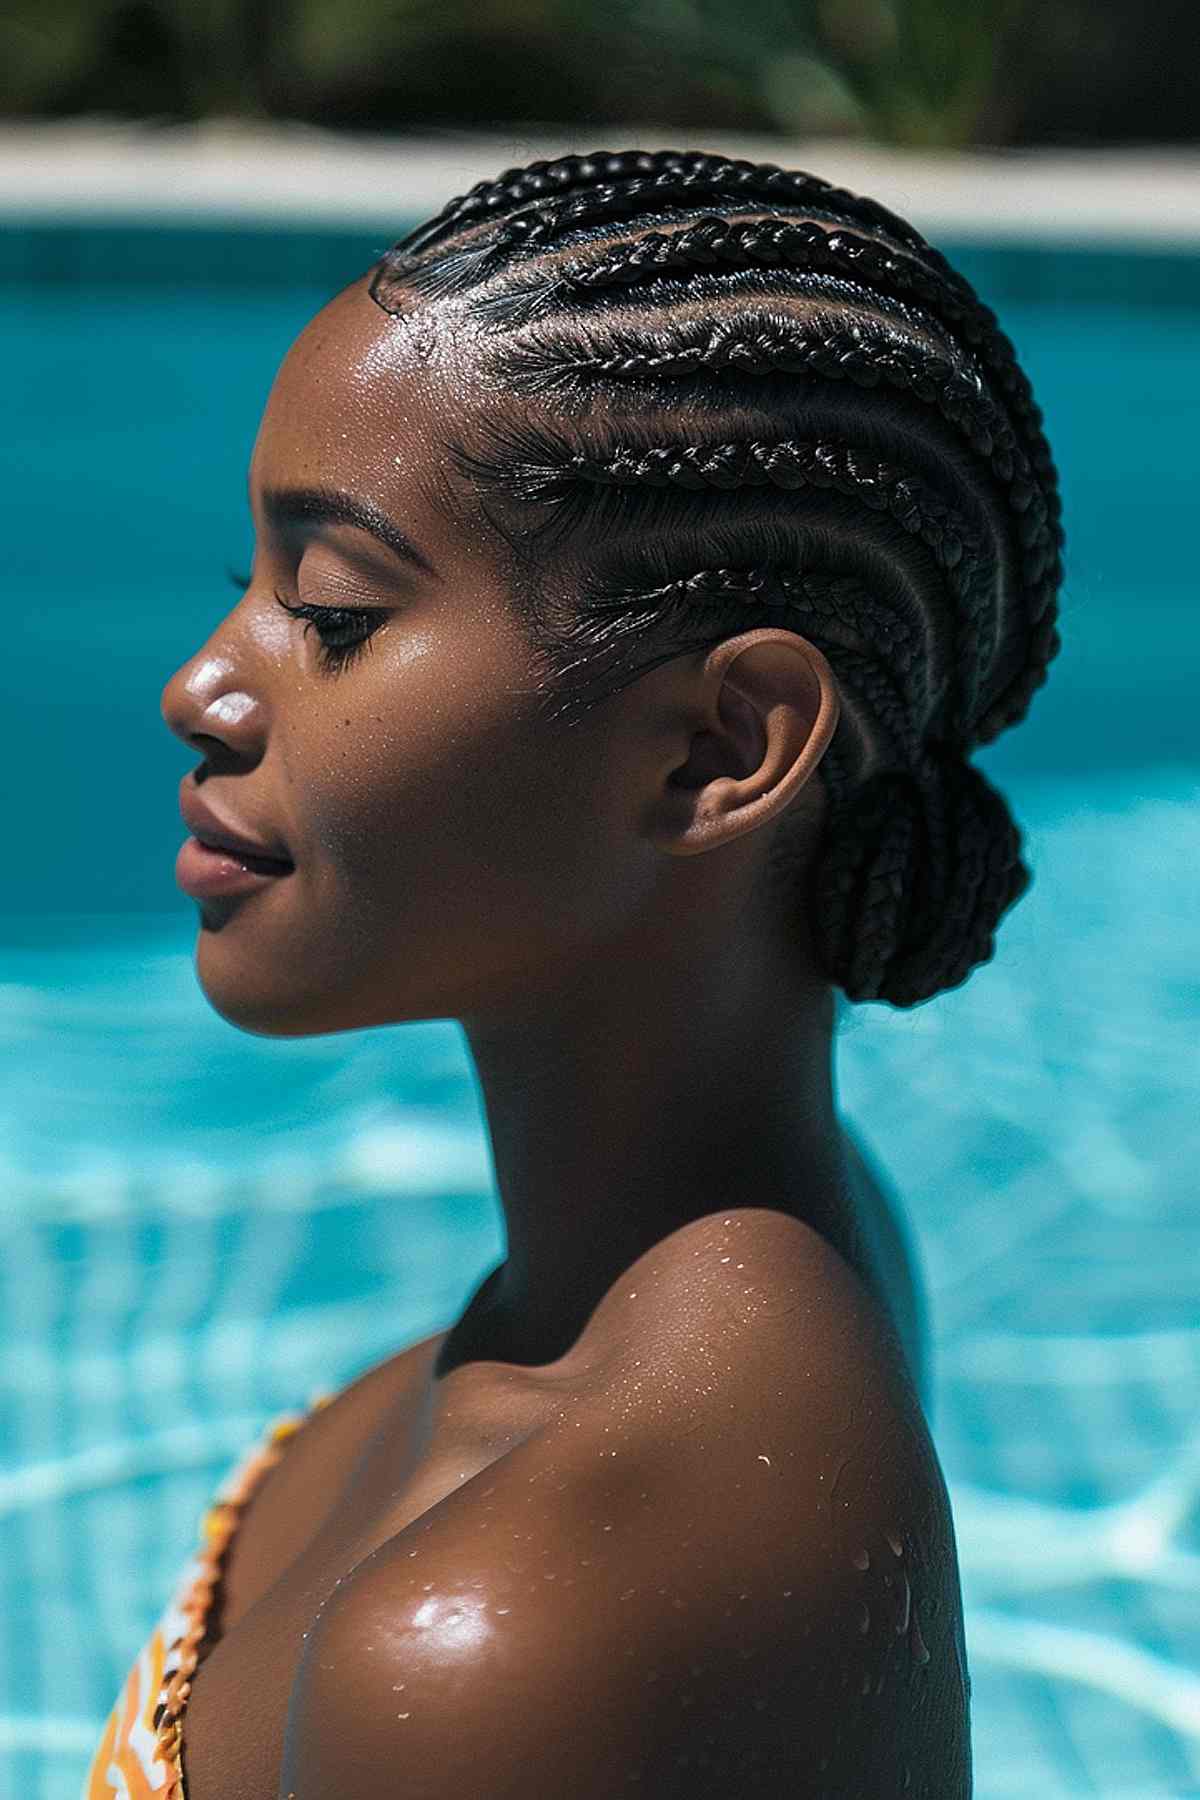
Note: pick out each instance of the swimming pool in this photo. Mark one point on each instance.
(203, 1228)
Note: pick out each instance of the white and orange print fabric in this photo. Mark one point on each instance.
(128, 1762)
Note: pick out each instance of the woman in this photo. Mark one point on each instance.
(643, 545)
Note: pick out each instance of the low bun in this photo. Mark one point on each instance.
(914, 872)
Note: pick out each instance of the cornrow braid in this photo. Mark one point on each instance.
(887, 651)
(806, 417)
(746, 346)
(750, 345)
(714, 243)
(612, 184)
(787, 464)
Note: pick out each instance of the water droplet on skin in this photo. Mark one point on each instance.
(917, 1644)
(404, 1715)
(894, 1543)
(861, 1559)
(905, 1608)
(864, 1618)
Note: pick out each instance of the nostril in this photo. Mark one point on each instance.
(219, 757)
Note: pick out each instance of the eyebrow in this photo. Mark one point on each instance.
(286, 507)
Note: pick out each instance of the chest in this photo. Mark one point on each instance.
(347, 1485)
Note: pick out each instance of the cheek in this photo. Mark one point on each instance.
(434, 813)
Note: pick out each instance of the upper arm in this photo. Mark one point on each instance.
(750, 1598)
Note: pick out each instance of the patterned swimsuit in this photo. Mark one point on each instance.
(139, 1755)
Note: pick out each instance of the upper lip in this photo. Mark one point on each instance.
(213, 830)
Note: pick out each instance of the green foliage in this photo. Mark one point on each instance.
(908, 72)
(39, 40)
(915, 72)
(921, 70)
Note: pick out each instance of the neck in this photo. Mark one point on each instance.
(669, 1081)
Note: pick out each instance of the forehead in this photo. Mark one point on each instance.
(366, 400)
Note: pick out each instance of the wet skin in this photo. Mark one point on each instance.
(653, 1044)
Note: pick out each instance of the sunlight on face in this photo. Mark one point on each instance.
(373, 711)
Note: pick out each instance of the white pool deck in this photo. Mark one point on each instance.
(300, 175)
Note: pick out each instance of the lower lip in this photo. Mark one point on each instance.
(205, 873)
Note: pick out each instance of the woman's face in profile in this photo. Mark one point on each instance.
(449, 849)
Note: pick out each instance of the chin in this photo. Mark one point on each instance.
(257, 998)
(287, 999)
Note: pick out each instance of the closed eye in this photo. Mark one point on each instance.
(345, 631)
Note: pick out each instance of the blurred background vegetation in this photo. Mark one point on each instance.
(907, 72)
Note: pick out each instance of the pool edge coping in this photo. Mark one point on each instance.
(94, 171)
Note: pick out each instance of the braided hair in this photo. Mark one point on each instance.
(740, 395)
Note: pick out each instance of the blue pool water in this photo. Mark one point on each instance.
(202, 1228)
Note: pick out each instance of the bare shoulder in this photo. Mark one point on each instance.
(735, 1573)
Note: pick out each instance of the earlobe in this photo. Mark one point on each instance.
(773, 703)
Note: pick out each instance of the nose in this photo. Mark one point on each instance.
(209, 698)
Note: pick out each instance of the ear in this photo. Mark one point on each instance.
(766, 706)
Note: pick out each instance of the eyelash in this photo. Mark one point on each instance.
(337, 654)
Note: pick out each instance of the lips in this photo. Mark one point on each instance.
(218, 833)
